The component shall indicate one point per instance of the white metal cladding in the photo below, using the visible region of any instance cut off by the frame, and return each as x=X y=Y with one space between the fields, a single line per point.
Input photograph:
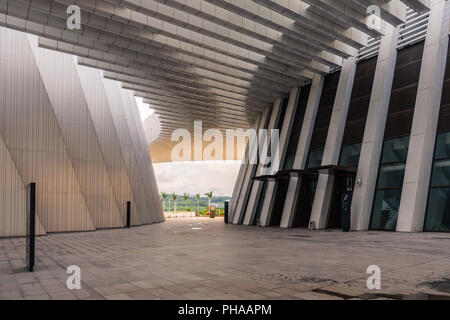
x=224 y=55
x=58 y=129
x=72 y=113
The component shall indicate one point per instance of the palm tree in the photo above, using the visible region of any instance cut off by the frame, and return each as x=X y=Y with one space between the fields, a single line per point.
x=210 y=196
x=164 y=196
x=174 y=198
x=197 y=196
x=185 y=197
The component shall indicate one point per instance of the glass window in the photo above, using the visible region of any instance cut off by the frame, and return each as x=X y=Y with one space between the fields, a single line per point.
x=395 y=150
x=350 y=155
x=438 y=213
x=441 y=173
x=315 y=159
x=385 y=211
x=391 y=176
x=289 y=162
x=438 y=210
x=261 y=202
x=443 y=146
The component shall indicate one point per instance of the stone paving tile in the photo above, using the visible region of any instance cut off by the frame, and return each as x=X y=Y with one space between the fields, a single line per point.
x=120 y=296
x=172 y=261
x=315 y=296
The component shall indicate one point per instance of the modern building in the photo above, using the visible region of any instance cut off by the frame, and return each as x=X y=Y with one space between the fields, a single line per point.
x=356 y=88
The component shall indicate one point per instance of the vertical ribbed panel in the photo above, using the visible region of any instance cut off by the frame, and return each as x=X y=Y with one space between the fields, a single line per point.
x=138 y=207
x=61 y=80
x=12 y=198
x=30 y=131
x=97 y=100
x=137 y=175
x=144 y=164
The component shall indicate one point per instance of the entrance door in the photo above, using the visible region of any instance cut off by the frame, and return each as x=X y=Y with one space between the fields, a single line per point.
x=305 y=202
x=343 y=191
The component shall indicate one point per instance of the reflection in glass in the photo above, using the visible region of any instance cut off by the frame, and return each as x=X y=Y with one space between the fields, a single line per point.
x=438 y=213
x=395 y=150
x=391 y=175
x=390 y=184
x=289 y=162
x=385 y=210
x=441 y=173
x=315 y=159
x=350 y=155
x=443 y=146
x=438 y=210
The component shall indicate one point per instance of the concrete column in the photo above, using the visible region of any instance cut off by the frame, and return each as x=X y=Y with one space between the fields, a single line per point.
x=426 y=114
x=248 y=188
x=374 y=131
x=286 y=130
x=243 y=169
x=324 y=191
x=301 y=154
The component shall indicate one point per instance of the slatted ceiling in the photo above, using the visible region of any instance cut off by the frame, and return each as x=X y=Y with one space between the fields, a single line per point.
x=230 y=53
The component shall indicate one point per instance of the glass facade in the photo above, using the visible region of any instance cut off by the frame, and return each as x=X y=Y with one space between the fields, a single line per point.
x=389 y=186
x=357 y=113
x=399 y=120
x=322 y=123
x=438 y=210
x=350 y=155
x=314 y=159
x=294 y=137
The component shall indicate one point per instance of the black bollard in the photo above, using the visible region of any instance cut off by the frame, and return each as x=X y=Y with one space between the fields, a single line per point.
x=31 y=226
x=226 y=212
x=128 y=214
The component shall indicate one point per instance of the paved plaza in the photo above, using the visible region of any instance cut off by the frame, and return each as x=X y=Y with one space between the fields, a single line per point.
x=200 y=258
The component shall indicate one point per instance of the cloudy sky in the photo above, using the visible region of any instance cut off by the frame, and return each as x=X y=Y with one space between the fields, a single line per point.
x=197 y=177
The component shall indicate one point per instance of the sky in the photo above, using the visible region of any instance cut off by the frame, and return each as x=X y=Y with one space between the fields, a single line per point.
x=197 y=177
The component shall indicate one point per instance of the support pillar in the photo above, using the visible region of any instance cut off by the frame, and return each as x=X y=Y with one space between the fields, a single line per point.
x=426 y=115
x=247 y=186
x=301 y=154
x=253 y=190
x=288 y=122
x=366 y=176
x=243 y=169
x=324 y=191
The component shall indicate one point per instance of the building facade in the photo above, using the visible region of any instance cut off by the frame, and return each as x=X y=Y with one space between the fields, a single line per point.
x=376 y=131
x=356 y=89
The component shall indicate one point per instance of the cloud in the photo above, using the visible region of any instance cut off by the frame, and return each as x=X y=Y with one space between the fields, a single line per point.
x=197 y=177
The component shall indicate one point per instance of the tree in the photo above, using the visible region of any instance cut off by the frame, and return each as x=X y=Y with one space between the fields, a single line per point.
x=174 y=198
x=197 y=196
x=164 y=196
x=185 y=197
x=210 y=196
